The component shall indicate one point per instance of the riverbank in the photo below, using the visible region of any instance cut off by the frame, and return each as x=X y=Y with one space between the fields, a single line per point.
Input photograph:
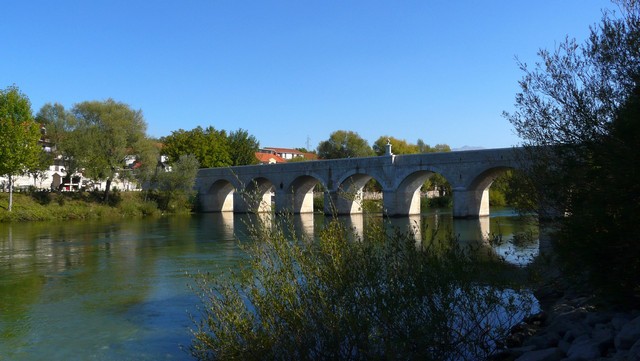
x=53 y=206
x=573 y=326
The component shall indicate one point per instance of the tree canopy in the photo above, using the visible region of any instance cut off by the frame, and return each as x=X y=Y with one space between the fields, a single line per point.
x=398 y=146
x=577 y=113
x=19 y=136
x=344 y=144
x=401 y=146
x=211 y=147
x=243 y=147
x=101 y=135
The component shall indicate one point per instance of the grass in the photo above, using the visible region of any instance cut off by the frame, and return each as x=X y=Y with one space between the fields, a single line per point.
x=52 y=206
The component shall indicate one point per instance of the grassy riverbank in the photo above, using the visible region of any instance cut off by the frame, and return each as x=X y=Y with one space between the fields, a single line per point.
x=53 y=206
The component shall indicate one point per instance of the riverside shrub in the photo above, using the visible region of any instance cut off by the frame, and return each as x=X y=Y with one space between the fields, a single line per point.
x=346 y=297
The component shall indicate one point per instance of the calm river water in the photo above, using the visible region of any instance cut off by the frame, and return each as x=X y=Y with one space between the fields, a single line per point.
x=120 y=290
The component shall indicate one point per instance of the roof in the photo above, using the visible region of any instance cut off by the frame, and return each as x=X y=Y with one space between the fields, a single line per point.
x=266 y=158
x=310 y=156
x=285 y=150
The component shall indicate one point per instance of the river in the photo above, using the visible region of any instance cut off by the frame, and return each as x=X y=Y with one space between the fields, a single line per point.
x=119 y=290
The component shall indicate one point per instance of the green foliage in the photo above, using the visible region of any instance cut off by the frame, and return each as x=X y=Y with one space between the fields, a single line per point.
x=437 y=202
x=398 y=146
x=318 y=202
x=501 y=190
x=243 y=148
x=345 y=298
x=426 y=148
x=344 y=144
x=440 y=148
x=59 y=125
x=19 y=136
x=513 y=189
x=401 y=146
x=581 y=101
x=147 y=158
x=209 y=146
x=98 y=136
x=176 y=187
x=48 y=206
x=497 y=198
x=372 y=206
x=601 y=236
x=437 y=182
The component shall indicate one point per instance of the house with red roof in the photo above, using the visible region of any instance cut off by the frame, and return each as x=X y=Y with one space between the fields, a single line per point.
x=266 y=156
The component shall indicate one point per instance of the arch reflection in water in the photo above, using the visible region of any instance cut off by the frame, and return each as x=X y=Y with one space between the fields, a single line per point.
x=472 y=230
x=355 y=222
x=225 y=223
x=304 y=225
x=505 y=235
x=410 y=223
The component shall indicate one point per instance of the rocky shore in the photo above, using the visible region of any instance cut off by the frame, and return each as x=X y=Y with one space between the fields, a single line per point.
x=573 y=327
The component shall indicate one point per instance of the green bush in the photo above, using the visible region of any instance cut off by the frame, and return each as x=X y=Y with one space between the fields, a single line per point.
x=599 y=239
x=436 y=202
x=78 y=205
x=341 y=297
x=372 y=206
x=497 y=198
x=318 y=203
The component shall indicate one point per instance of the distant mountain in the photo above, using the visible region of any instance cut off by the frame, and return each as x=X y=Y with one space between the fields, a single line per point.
x=467 y=147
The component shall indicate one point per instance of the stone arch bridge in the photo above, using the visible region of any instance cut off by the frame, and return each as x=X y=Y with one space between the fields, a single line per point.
x=289 y=187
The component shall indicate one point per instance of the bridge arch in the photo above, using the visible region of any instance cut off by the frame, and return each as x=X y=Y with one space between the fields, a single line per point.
x=347 y=197
x=219 y=196
x=297 y=196
x=473 y=198
x=255 y=197
x=405 y=198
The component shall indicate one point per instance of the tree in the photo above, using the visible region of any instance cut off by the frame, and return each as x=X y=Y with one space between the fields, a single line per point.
x=209 y=146
x=145 y=168
x=56 y=121
x=398 y=146
x=578 y=115
x=344 y=144
x=104 y=134
x=243 y=147
x=58 y=125
x=177 y=184
x=19 y=136
x=440 y=148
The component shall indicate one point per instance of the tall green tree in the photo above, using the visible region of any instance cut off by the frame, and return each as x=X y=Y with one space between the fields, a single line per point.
x=147 y=164
x=19 y=136
x=398 y=146
x=422 y=146
x=57 y=121
x=243 y=147
x=576 y=106
x=210 y=146
x=344 y=144
x=105 y=133
x=59 y=125
x=440 y=148
x=177 y=185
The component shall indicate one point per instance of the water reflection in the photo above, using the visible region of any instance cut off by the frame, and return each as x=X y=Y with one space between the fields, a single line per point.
x=504 y=234
x=304 y=224
x=119 y=290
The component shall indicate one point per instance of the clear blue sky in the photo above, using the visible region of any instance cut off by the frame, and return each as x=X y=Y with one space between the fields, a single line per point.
x=291 y=72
